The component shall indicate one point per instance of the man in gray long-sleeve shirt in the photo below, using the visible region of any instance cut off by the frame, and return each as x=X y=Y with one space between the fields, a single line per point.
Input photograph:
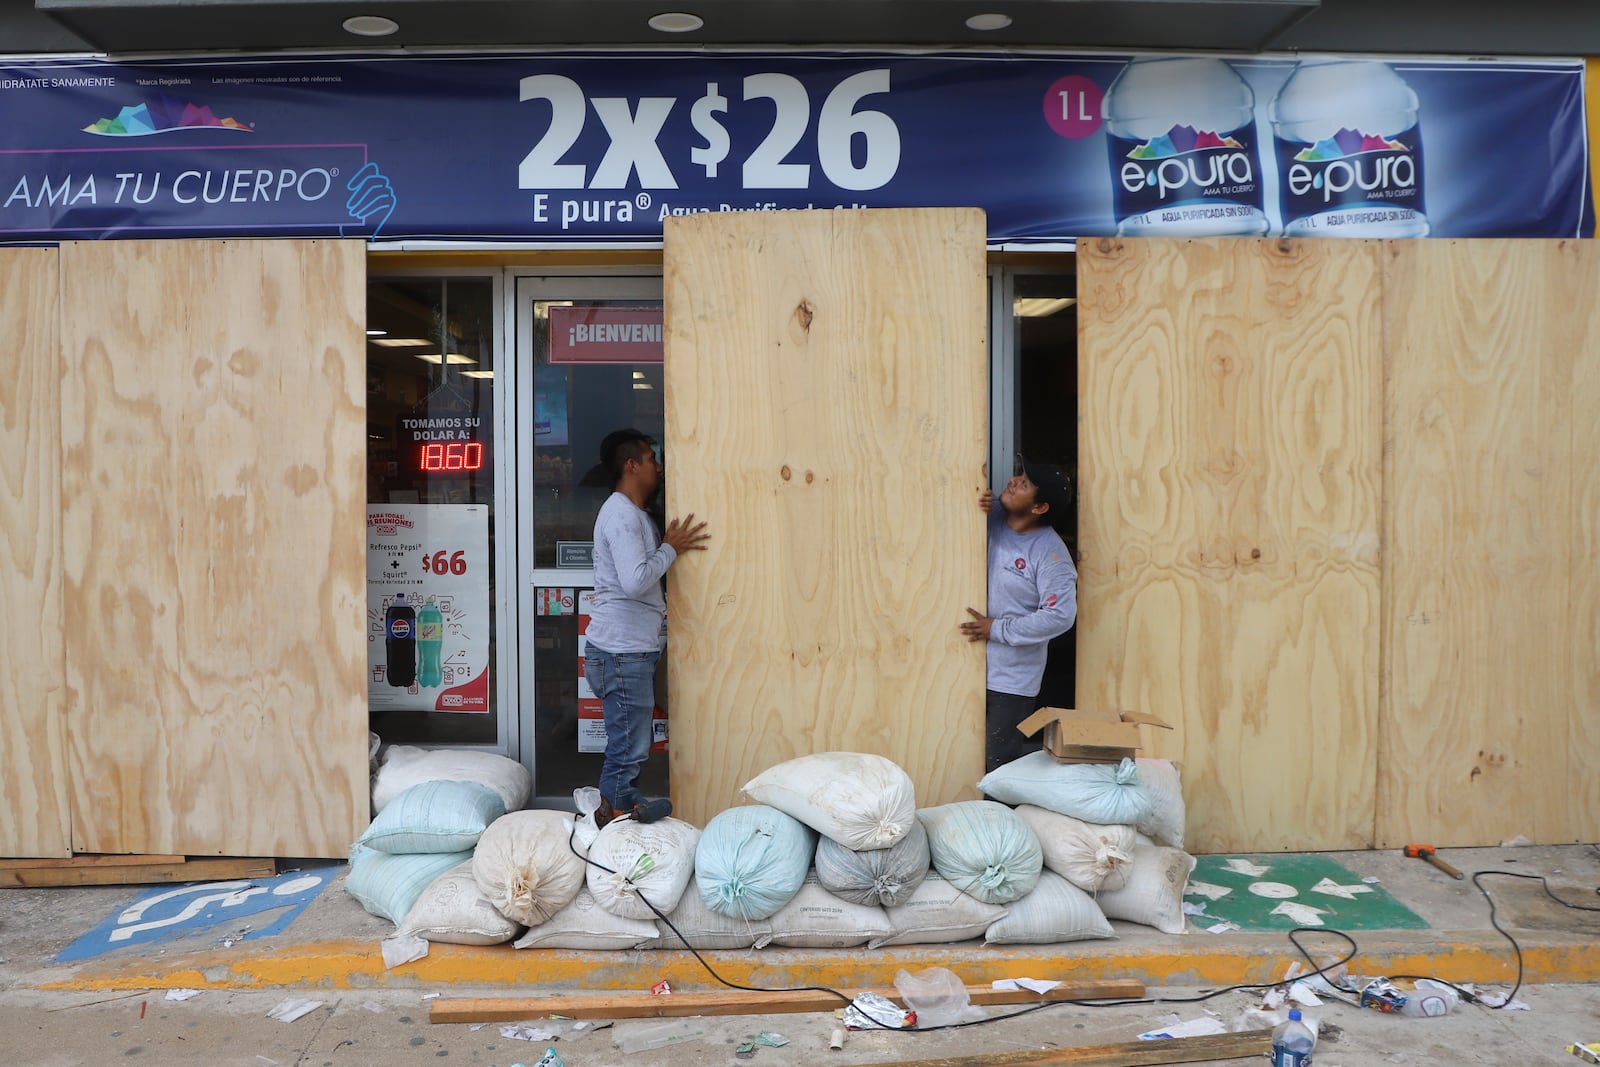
x=1033 y=597
x=624 y=638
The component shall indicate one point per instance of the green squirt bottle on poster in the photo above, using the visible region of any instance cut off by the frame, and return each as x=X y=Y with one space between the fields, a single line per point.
x=430 y=645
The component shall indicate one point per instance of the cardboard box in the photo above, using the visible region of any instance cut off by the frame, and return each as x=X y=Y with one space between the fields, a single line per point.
x=1076 y=735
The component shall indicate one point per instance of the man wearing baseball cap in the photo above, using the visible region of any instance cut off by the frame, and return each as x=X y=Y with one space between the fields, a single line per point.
x=1033 y=597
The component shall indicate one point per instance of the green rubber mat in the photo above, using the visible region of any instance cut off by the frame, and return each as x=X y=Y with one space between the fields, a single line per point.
x=1279 y=892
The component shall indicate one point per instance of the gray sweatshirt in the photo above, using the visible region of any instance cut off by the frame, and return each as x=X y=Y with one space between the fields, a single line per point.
x=629 y=562
x=1033 y=597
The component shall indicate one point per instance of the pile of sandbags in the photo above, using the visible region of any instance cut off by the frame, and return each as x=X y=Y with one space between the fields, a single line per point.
x=832 y=853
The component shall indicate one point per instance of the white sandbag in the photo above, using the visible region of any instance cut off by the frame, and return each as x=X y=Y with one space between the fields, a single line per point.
x=1090 y=856
x=446 y=816
x=525 y=865
x=1154 y=893
x=1094 y=792
x=388 y=885
x=751 y=861
x=703 y=928
x=631 y=860
x=861 y=800
x=935 y=913
x=886 y=876
x=454 y=911
x=1055 y=911
x=404 y=766
x=815 y=918
x=1168 y=815
x=584 y=924
x=983 y=848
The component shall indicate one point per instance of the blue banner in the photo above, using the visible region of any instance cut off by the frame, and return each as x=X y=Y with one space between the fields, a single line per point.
x=601 y=147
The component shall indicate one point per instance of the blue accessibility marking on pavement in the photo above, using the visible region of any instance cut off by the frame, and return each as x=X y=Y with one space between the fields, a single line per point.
x=173 y=913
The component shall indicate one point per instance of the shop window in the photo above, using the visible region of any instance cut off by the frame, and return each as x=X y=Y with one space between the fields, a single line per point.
x=431 y=624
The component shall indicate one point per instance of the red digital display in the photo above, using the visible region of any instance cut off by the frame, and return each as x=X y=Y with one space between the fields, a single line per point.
x=451 y=456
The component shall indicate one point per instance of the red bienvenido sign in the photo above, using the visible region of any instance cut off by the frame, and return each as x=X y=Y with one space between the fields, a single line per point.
x=589 y=333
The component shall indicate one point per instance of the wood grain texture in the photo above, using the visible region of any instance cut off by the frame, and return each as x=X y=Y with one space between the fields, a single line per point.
x=1490 y=729
x=1229 y=451
x=213 y=412
x=33 y=751
x=826 y=387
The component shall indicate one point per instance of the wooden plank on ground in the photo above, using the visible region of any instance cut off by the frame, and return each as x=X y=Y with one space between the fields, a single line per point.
x=734 y=1002
x=1204 y=1049
x=221 y=868
x=88 y=860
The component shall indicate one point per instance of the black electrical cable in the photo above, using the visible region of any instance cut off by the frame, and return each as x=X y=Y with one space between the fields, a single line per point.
x=1322 y=971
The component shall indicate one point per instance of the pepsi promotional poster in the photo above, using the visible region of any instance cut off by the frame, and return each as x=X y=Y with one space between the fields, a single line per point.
x=601 y=147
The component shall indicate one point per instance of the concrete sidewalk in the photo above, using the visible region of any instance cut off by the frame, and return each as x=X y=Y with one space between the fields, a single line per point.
x=334 y=944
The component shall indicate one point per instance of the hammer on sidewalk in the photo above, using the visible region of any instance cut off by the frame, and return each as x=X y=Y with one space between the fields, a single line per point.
x=1426 y=852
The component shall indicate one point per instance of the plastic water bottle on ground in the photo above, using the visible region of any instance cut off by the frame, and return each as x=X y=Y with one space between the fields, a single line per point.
x=1181 y=134
x=1349 y=149
x=1292 y=1042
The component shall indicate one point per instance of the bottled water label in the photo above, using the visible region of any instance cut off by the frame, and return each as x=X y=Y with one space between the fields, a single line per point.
x=1351 y=179
x=1288 y=1057
x=1185 y=160
x=1188 y=176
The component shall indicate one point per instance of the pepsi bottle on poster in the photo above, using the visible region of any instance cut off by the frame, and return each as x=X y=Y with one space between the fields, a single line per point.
x=400 y=643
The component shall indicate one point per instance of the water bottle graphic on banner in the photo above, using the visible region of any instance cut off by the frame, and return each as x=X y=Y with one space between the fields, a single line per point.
x=1181 y=134
x=400 y=643
x=1349 y=149
x=430 y=645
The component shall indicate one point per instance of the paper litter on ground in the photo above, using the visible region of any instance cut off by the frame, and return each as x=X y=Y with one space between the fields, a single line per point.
x=526 y=1033
x=402 y=948
x=1192 y=1028
x=1221 y=928
x=182 y=994
x=293 y=1008
x=1032 y=985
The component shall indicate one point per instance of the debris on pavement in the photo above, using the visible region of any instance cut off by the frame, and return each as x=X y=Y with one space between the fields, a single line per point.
x=402 y=949
x=182 y=994
x=1177 y=1028
x=527 y=1033
x=293 y=1008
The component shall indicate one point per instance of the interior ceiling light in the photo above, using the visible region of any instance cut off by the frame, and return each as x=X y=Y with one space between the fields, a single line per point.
x=377 y=333
x=994 y=21
x=676 y=22
x=401 y=342
x=477 y=374
x=453 y=358
x=370 y=25
x=1038 y=307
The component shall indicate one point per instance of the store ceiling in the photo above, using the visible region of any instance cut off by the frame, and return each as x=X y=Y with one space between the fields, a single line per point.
x=1463 y=27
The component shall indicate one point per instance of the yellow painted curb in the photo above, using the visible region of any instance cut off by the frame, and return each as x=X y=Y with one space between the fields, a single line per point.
x=1250 y=959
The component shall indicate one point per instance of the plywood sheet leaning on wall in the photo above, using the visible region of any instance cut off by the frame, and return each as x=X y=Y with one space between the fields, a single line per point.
x=213 y=405
x=1493 y=543
x=33 y=774
x=826 y=395
x=1229 y=456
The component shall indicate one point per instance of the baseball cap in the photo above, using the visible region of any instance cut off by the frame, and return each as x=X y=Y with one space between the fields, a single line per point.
x=1053 y=487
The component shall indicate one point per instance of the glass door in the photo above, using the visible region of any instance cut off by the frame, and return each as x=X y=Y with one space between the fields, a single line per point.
x=589 y=356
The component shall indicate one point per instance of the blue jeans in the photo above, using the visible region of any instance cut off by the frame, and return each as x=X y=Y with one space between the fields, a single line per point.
x=625 y=682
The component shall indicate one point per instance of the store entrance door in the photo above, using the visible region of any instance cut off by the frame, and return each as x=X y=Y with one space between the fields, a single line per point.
x=589 y=361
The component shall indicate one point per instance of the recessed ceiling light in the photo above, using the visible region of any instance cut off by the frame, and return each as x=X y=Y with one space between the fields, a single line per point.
x=377 y=333
x=676 y=22
x=370 y=25
x=989 y=22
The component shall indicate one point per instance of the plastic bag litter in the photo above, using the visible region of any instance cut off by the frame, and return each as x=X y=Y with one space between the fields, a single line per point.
x=938 y=996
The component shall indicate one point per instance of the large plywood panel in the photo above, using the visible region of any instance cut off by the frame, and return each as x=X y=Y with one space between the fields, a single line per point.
x=33 y=771
x=213 y=411
x=1494 y=662
x=1229 y=456
x=826 y=395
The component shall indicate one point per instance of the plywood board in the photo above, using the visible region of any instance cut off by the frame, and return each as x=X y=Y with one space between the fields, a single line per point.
x=1229 y=457
x=213 y=414
x=826 y=385
x=1493 y=600
x=33 y=766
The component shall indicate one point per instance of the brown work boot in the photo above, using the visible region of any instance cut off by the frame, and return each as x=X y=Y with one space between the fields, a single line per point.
x=604 y=813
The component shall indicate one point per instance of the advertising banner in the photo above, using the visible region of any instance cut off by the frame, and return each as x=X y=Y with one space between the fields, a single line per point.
x=601 y=333
x=602 y=147
x=428 y=607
